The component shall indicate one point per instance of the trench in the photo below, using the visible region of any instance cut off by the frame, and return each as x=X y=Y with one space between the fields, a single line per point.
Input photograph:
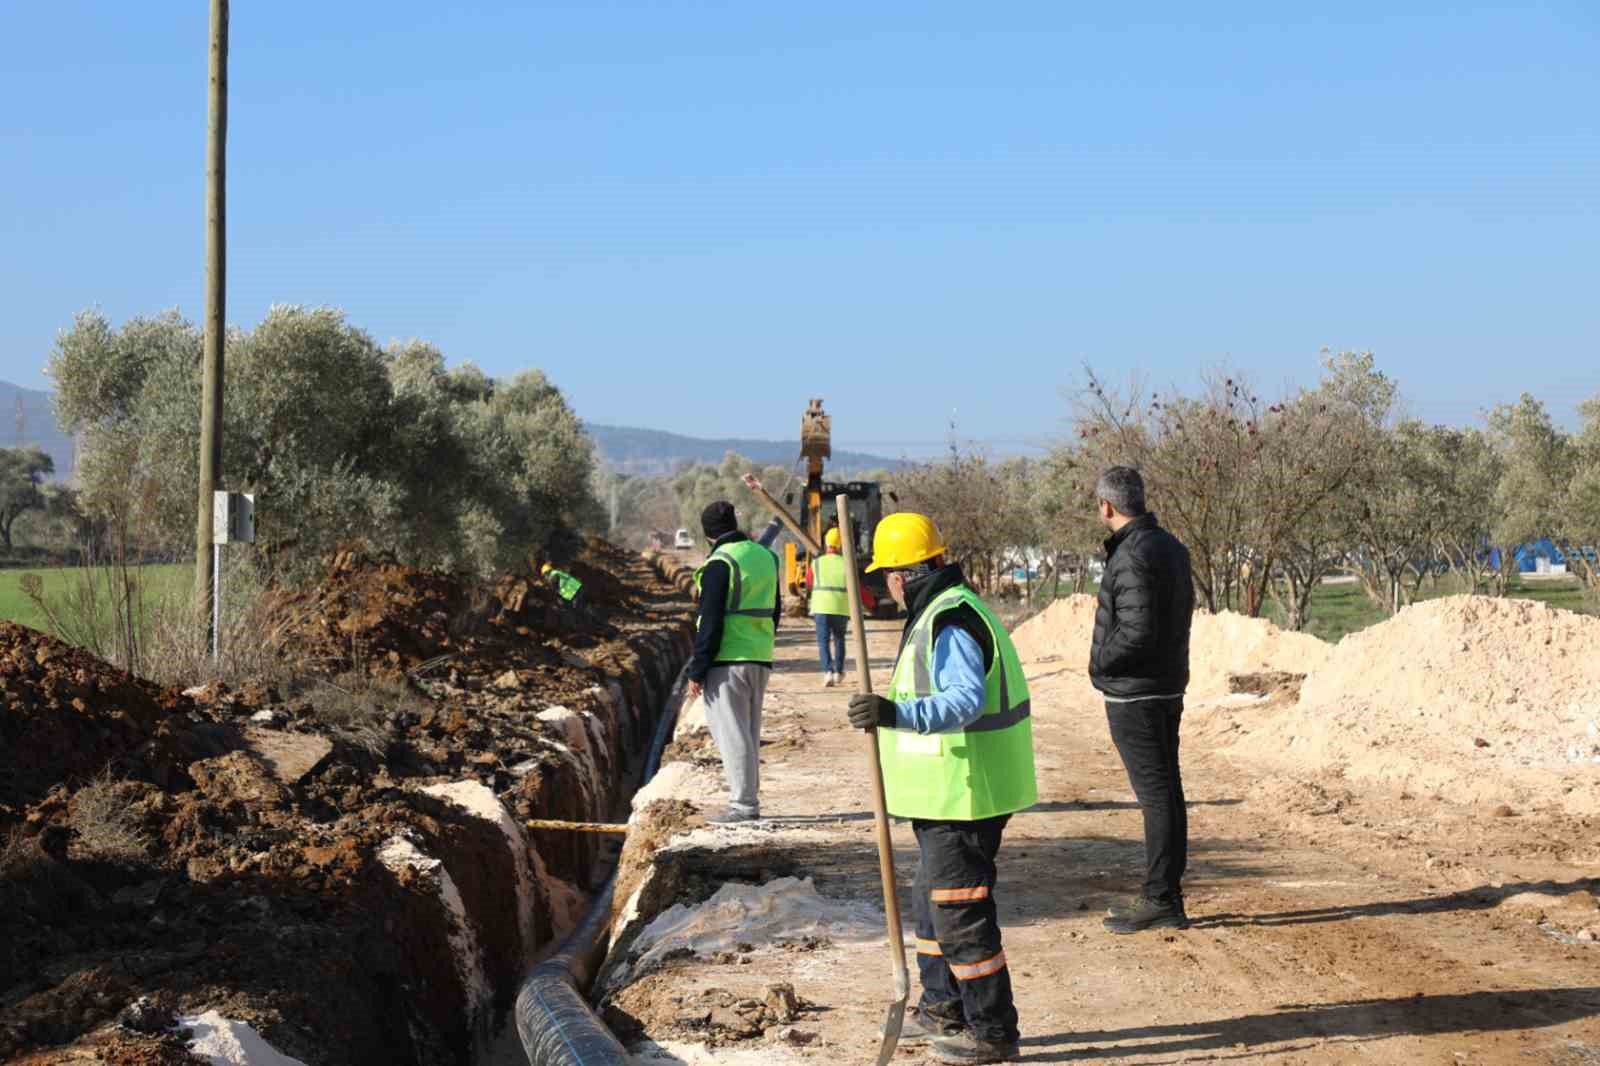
x=541 y=1017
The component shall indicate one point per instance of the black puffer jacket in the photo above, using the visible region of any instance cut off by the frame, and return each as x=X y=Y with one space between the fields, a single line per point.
x=1141 y=627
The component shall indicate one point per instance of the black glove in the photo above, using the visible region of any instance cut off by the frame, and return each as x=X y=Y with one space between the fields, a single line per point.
x=870 y=712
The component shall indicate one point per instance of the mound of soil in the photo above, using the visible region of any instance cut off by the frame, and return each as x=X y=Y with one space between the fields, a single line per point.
x=68 y=716
x=292 y=874
x=1470 y=698
x=394 y=615
x=1220 y=645
x=1489 y=663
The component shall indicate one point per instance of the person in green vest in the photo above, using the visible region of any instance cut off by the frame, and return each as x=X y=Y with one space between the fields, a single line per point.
x=735 y=626
x=567 y=587
x=830 y=608
x=956 y=747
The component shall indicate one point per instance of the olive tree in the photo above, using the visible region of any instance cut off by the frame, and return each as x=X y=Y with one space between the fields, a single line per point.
x=341 y=438
x=22 y=472
x=701 y=484
x=1583 y=498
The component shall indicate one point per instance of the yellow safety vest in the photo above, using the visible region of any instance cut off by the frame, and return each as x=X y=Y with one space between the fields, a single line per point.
x=828 y=592
x=982 y=771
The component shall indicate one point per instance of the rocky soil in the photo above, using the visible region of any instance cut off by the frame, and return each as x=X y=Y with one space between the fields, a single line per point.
x=333 y=856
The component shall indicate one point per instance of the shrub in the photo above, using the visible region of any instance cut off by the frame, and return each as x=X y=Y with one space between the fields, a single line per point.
x=356 y=705
x=105 y=822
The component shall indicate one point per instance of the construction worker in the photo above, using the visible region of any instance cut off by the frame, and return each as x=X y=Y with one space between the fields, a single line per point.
x=1139 y=660
x=735 y=630
x=956 y=746
x=830 y=608
x=569 y=588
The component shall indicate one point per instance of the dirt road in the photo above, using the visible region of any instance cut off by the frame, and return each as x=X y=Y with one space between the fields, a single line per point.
x=1328 y=926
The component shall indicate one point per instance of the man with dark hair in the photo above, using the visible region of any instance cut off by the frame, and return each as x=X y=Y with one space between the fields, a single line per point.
x=1140 y=663
x=735 y=631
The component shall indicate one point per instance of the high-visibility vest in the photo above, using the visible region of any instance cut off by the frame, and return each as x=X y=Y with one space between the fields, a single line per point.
x=567 y=586
x=828 y=592
x=748 y=628
x=981 y=771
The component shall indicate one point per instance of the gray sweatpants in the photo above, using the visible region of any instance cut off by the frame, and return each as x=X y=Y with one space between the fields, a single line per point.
x=733 y=713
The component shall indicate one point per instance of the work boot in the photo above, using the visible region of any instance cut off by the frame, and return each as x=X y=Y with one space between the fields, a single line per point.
x=734 y=818
x=1150 y=914
x=921 y=1028
x=966 y=1047
x=1126 y=905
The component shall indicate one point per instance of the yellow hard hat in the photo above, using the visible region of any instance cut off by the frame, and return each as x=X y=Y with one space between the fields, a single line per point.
x=905 y=539
x=831 y=538
x=546 y=568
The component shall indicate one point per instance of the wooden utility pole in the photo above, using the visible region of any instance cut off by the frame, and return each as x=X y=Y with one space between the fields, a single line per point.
x=215 y=322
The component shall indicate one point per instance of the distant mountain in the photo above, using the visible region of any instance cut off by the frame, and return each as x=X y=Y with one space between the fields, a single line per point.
x=652 y=452
x=28 y=418
x=628 y=449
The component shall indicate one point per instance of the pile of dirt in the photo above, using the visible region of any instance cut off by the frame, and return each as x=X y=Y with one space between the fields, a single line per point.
x=314 y=859
x=393 y=616
x=68 y=716
x=1470 y=698
x=1220 y=645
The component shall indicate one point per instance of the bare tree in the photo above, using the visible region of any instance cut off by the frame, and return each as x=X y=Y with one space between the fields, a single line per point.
x=968 y=497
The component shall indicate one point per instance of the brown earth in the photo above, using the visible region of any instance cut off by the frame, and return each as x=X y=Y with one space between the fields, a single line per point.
x=69 y=715
x=265 y=881
x=1333 y=922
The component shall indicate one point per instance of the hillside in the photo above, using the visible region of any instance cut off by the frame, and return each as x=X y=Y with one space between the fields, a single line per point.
x=627 y=448
x=654 y=452
x=37 y=426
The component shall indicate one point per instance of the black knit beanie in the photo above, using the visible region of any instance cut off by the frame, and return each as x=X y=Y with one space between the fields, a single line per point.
x=718 y=520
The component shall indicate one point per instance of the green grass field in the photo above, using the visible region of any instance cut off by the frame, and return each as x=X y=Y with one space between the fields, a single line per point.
x=15 y=606
x=1344 y=608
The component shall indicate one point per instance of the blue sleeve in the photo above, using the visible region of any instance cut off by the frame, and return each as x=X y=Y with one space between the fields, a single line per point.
x=958 y=685
x=770 y=534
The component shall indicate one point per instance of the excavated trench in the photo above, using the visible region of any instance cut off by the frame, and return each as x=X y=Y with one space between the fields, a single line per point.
x=527 y=890
x=332 y=907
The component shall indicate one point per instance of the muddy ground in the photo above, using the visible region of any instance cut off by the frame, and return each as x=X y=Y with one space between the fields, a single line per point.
x=280 y=853
x=1330 y=924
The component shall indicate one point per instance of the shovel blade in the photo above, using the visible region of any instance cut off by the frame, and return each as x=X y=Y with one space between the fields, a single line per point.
x=891 y=1030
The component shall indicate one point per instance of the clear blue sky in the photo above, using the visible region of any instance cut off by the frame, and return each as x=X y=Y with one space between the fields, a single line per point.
x=694 y=216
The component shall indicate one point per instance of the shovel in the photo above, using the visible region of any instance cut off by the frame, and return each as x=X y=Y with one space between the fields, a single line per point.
x=752 y=483
x=880 y=809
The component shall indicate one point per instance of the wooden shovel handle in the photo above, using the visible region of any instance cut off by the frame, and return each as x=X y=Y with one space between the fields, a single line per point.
x=880 y=807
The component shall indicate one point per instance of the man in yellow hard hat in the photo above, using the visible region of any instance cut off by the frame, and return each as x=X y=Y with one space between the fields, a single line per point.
x=567 y=587
x=830 y=608
x=956 y=747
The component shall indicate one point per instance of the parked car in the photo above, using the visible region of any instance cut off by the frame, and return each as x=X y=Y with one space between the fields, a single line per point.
x=683 y=541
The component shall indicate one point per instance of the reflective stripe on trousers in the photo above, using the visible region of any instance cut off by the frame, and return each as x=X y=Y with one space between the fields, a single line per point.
x=960 y=957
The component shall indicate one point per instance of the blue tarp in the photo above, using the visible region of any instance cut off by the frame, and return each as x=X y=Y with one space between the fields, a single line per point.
x=1527 y=556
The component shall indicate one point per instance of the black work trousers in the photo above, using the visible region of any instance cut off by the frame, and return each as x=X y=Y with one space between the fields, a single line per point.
x=1146 y=735
x=959 y=957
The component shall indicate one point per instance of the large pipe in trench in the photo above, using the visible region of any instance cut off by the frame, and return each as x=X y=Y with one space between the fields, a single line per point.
x=554 y=1020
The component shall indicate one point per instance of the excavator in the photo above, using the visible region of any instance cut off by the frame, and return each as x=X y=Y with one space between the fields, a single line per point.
x=817 y=514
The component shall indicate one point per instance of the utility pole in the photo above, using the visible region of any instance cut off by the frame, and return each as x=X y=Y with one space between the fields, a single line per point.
x=215 y=322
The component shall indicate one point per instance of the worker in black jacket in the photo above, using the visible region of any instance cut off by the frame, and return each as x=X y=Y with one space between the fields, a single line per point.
x=1140 y=663
x=735 y=628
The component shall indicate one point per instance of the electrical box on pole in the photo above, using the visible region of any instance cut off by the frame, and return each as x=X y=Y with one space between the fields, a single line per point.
x=233 y=521
x=233 y=517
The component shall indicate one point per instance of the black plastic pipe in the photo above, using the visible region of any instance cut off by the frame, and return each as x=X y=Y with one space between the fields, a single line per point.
x=554 y=1020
